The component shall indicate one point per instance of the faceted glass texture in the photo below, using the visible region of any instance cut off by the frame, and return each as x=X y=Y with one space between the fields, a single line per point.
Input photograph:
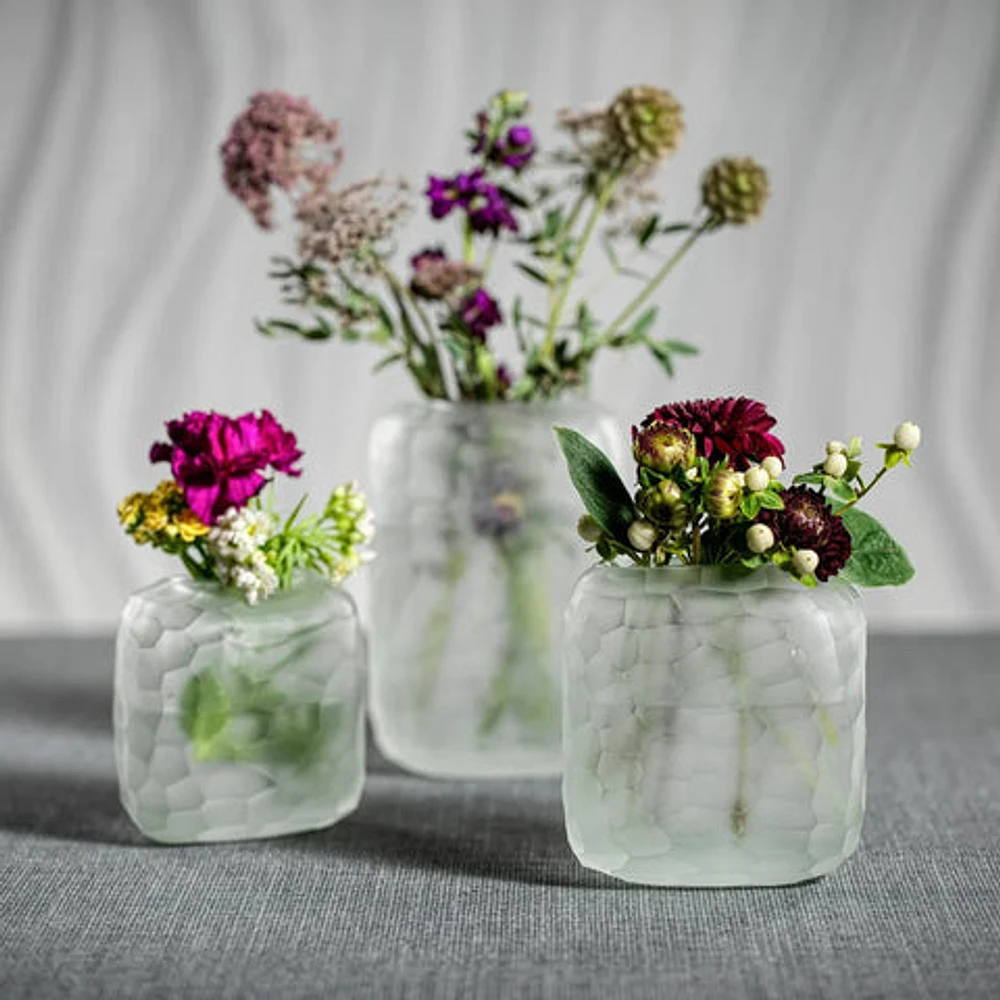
x=477 y=556
x=714 y=725
x=235 y=722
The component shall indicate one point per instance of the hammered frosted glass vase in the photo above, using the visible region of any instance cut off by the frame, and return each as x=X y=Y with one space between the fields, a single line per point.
x=714 y=725
x=235 y=722
x=477 y=557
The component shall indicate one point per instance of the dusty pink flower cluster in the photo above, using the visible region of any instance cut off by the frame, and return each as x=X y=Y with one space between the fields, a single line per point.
x=337 y=224
x=279 y=141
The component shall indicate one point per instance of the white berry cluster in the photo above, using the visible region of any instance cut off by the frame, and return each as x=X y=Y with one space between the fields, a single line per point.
x=235 y=543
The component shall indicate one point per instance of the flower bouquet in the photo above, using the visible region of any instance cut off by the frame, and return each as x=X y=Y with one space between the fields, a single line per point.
x=472 y=509
x=239 y=703
x=715 y=685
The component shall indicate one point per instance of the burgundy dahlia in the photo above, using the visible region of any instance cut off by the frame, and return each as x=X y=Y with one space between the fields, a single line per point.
x=735 y=428
x=807 y=522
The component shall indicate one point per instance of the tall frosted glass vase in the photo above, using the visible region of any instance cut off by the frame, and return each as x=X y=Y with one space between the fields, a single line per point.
x=714 y=725
x=477 y=557
x=235 y=722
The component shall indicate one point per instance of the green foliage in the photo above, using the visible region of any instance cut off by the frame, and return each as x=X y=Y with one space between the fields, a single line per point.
x=234 y=716
x=604 y=495
x=877 y=559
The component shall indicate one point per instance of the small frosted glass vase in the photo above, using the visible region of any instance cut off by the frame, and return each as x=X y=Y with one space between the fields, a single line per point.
x=235 y=722
x=714 y=725
x=477 y=557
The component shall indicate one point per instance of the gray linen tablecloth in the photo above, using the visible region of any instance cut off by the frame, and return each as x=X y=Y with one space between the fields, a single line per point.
x=466 y=889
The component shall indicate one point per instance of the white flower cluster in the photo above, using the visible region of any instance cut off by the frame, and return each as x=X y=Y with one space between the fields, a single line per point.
x=235 y=543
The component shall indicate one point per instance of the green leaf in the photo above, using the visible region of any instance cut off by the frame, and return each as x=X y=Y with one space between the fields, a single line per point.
x=531 y=272
x=642 y=325
x=750 y=505
x=877 y=559
x=675 y=227
x=204 y=711
x=389 y=359
x=662 y=356
x=810 y=478
x=841 y=489
x=601 y=489
x=680 y=347
x=648 y=230
x=771 y=501
x=514 y=197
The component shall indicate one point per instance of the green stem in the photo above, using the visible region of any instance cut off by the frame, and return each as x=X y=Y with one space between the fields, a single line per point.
x=657 y=278
x=588 y=230
x=468 y=250
x=864 y=490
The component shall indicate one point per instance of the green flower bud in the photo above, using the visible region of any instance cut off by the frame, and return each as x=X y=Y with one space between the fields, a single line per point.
x=588 y=529
x=645 y=124
x=664 y=504
x=735 y=190
x=724 y=494
x=663 y=447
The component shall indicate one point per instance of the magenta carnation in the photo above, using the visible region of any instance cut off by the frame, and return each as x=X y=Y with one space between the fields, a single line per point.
x=807 y=522
x=273 y=143
x=218 y=461
x=728 y=427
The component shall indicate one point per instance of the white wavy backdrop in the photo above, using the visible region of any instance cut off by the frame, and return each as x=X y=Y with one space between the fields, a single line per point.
x=869 y=293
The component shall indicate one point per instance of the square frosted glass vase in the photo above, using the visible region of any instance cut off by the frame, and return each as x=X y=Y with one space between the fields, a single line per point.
x=477 y=557
x=235 y=722
x=714 y=725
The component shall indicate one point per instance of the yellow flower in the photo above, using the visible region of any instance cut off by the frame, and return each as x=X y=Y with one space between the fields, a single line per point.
x=188 y=526
x=130 y=508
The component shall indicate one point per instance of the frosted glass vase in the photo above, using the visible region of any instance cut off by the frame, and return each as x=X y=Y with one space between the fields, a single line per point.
x=235 y=722
x=477 y=557
x=714 y=725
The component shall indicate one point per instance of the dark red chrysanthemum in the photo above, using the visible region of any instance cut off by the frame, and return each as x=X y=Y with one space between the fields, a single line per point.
x=737 y=428
x=807 y=522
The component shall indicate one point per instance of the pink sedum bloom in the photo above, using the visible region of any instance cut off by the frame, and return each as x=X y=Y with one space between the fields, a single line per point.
x=218 y=461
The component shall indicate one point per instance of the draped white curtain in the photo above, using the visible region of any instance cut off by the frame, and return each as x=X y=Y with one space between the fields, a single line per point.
x=869 y=293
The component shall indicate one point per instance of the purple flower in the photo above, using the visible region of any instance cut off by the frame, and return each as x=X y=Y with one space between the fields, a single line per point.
x=217 y=460
x=479 y=311
x=504 y=376
x=516 y=149
x=485 y=205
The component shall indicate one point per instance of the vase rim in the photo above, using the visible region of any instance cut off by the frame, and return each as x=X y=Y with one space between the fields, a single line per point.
x=710 y=574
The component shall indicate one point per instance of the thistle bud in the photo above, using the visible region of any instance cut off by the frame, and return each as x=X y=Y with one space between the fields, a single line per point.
x=773 y=465
x=664 y=504
x=804 y=562
x=663 y=447
x=757 y=478
x=835 y=464
x=642 y=535
x=588 y=529
x=735 y=190
x=724 y=494
x=645 y=124
x=906 y=436
x=759 y=538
